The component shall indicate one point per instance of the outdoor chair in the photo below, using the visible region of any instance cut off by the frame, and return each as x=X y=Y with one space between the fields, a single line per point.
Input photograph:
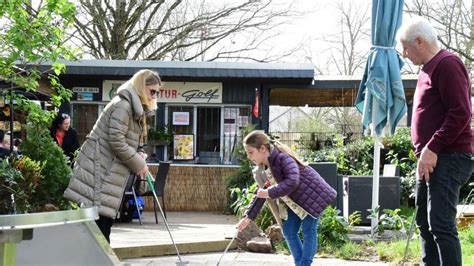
x=131 y=192
x=159 y=185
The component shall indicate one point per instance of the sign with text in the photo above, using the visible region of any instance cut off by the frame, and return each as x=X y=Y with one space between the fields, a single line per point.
x=174 y=92
x=85 y=89
x=181 y=118
x=109 y=88
x=190 y=92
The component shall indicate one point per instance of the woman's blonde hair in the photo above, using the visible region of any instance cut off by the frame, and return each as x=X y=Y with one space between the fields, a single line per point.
x=257 y=138
x=140 y=80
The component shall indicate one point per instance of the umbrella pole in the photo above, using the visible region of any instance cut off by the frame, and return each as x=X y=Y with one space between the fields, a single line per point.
x=375 y=183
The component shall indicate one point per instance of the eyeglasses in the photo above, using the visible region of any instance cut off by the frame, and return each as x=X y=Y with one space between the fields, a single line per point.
x=64 y=115
x=153 y=92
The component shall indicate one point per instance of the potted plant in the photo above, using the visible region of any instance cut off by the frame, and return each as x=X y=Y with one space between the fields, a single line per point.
x=159 y=136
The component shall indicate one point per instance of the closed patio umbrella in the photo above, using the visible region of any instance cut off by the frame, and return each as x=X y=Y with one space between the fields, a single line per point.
x=381 y=98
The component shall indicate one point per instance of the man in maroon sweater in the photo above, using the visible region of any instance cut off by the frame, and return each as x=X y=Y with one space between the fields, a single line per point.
x=442 y=135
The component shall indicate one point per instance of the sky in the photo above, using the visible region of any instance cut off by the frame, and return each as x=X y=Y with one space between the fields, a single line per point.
x=320 y=20
x=316 y=20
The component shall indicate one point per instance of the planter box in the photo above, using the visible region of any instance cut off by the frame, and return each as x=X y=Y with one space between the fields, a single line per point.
x=157 y=143
x=358 y=195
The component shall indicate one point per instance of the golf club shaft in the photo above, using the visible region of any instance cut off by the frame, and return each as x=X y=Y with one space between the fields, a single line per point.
x=410 y=234
x=227 y=248
x=148 y=178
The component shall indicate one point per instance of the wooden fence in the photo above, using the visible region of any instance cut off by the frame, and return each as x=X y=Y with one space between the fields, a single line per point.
x=194 y=188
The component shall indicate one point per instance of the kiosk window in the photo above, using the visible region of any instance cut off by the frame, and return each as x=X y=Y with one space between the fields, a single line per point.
x=234 y=119
x=208 y=134
x=181 y=128
x=85 y=116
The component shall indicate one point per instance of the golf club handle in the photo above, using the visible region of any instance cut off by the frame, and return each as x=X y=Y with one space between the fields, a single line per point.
x=150 y=182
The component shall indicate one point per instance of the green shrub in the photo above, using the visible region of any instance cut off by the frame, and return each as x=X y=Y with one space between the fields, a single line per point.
x=11 y=182
x=356 y=158
x=333 y=228
x=400 y=151
x=55 y=172
x=160 y=134
x=18 y=183
x=243 y=197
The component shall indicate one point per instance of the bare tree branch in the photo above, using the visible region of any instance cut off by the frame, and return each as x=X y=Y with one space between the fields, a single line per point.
x=190 y=30
x=453 y=22
x=344 y=51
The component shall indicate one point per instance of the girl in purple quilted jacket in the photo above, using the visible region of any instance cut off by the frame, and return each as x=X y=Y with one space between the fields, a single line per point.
x=301 y=192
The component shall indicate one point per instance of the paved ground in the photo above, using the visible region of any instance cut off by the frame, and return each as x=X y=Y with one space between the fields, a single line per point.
x=192 y=231
x=239 y=258
x=186 y=227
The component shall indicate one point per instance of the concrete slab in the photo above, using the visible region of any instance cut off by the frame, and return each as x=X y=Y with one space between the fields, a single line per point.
x=186 y=227
x=195 y=233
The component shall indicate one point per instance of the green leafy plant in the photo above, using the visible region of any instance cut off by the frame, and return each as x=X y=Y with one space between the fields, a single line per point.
x=40 y=147
x=160 y=134
x=356 y=158
x=333 y=228
x=389 y=220
x=31 y=172
x=355 y=218
x=244 y=196
x=19 y=179
x=32 y=34
x=11 y=192
x=393 y=220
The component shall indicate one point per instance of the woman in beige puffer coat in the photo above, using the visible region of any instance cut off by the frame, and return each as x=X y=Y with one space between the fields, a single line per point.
x=111 y=150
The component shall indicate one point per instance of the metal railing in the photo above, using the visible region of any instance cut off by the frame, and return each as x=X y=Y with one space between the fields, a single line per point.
x=307 y=142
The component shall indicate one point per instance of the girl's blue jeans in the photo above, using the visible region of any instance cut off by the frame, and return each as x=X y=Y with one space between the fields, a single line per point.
x=302 y=251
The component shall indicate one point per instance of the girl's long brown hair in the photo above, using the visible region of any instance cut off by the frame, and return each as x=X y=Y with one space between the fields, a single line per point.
x=257 y=138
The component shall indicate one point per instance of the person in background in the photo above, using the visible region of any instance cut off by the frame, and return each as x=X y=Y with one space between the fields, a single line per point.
x=152 y=159
x=4 y=144
x=303 y=192
x=442 y=135
x=64 y=135
x=16 y=146
x=113 y=149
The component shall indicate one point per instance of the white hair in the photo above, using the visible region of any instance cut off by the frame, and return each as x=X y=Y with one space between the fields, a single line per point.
x=418 y=27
